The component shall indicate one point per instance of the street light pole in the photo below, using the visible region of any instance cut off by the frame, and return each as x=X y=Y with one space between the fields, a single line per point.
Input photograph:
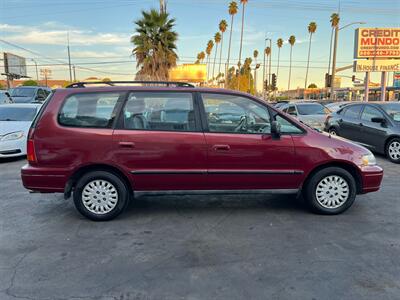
x=335 y=52
x=37 y=73
x=264 y=66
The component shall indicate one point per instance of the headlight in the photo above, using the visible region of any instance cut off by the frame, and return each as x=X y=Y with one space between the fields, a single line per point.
x=368 y=160
x=13 y=136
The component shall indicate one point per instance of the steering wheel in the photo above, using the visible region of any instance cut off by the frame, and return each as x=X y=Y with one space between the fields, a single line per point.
x=242 y=126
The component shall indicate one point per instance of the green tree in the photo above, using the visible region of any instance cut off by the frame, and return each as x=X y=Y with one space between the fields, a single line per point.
x=241 y=79
x=223 y=25
x=210 y=46
x=279 y=43
x=334 y=22
x=232 y=9
x=312 y=28
x=30 y=83
x=292 y=41
x=155 y=45
x=243 y=2
x=217 y=40
x=312 y=86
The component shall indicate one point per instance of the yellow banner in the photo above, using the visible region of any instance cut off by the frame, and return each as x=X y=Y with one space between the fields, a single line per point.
x=377 y=65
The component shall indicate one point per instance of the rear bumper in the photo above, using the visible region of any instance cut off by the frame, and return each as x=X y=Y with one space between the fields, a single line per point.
x=45 y=180
x=371 y=178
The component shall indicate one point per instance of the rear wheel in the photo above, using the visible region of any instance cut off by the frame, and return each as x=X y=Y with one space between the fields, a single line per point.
x=330 y=191
x=393 y=150
x=100 y=195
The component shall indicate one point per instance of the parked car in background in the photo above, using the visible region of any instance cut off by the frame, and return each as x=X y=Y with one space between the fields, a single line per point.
x=15 y=120
x=183 y=140
x=5 y=97
x=335 y=106
x=280 y=103
x=374 y=125
x=29 y=94
x=311 y=113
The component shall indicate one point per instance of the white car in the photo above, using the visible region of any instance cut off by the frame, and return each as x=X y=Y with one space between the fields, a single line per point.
x=15 y=121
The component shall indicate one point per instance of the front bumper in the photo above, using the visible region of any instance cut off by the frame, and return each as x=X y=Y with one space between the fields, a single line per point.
x=371 y=178
x=13 y=148
x=44 y=180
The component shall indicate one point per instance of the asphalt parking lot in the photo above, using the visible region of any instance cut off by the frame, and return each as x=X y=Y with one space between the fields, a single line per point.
x=225 y=247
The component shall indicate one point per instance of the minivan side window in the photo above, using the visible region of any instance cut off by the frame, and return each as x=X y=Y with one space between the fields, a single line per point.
x=352 y=111
x=371 y=112
x=166 y=111
x=93 y=110
x=292 y=110
x=234 y=114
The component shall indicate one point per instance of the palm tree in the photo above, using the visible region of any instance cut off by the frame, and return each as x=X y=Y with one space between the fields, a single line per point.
x=202 y=56
x=223 y=25
x=243 y=2
x=217 y=40
x=334 y=22
x=279 y=43
x=209 y=48
x=154 y=45
x=292 y=41
x=233 y=9
x=312 y=28
x=255 y=55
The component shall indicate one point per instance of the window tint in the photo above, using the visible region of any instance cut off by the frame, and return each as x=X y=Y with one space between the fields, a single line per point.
x=230 y=113
x=159 y=111
x=287 y=127
x=311 y=109
x=89 y=110
x=352 y=111
x=292 y=110
x=371 y=112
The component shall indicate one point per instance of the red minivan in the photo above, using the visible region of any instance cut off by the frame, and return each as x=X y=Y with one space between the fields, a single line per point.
x=109 y=143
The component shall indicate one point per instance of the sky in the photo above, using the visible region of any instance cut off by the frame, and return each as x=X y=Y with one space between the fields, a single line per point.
x=99 y=33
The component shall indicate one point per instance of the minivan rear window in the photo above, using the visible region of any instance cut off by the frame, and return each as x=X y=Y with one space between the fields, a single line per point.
x=94 y=110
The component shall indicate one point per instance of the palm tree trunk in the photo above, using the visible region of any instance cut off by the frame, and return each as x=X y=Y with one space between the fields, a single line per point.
x=229 y=48
x=208 y=67
x=220 y=54
x=330 y=52
x=277 y=68
x=215 y=58
x=241 y=35
x=290 y=68
x=308 y=60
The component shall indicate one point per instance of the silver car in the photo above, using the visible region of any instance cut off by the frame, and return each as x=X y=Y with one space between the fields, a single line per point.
x=311 y=113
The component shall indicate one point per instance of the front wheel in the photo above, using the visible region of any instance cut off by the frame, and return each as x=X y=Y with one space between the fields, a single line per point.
x=330 y=191
x=333 y=131
x=100 y=195
x=393 y=150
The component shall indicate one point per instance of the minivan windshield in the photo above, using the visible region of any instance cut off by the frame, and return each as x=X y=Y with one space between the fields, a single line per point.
x=22 y=92
x=311 y=109
x=17 y=113
x=393 y=110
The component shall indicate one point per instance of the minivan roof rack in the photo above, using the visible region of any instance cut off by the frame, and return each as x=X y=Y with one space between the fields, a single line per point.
x=83 y=84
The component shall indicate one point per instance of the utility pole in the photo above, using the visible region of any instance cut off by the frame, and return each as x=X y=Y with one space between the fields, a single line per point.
x=264 y=70
x=69 y=59
x=37 y=73
x=270 y=60
x=334 y=60
x=46 y=73
x=366 y=86
x=383 y=86
x=74 y=72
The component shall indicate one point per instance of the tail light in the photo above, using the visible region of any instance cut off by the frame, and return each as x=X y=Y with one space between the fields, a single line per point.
x=30 y=147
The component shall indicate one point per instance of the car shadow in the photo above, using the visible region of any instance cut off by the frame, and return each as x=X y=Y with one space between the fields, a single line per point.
x=154 y=204
x=11 y=159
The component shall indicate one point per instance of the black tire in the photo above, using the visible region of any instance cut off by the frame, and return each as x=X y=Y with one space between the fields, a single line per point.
x=310 y=191
x=113 y=185
x=393 y=157
x=333 y=131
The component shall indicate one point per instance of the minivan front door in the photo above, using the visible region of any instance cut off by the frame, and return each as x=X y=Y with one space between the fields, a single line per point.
x=160 y=143
x=241 y=151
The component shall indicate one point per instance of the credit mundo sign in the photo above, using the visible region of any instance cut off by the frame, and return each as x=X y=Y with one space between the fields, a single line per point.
x=377 y=43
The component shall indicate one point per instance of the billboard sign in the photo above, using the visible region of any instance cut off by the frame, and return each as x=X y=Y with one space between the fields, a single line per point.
x=377 y=65
x=377 y=43
x=189 y=73
x=14 y=65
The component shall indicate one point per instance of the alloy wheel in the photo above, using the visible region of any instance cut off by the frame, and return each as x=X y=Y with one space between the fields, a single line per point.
x=394 y=150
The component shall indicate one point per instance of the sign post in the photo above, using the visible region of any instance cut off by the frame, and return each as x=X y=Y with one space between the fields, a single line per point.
x=366 y=86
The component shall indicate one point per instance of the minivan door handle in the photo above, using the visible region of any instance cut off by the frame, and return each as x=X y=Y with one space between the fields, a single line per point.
x=126 y=144
x=221 y=148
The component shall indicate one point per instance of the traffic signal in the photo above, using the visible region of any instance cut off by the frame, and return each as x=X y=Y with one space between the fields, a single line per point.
x=265 y=85
x=328 y=80
x=273 y=81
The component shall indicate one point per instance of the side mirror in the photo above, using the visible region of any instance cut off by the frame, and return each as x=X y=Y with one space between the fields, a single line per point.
x=378 y=120
x=275 y=130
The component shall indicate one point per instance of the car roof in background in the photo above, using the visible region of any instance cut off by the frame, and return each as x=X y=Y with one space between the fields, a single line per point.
x=22 y=105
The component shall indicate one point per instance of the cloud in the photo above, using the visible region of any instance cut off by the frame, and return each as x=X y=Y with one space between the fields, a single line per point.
x=52 y=33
